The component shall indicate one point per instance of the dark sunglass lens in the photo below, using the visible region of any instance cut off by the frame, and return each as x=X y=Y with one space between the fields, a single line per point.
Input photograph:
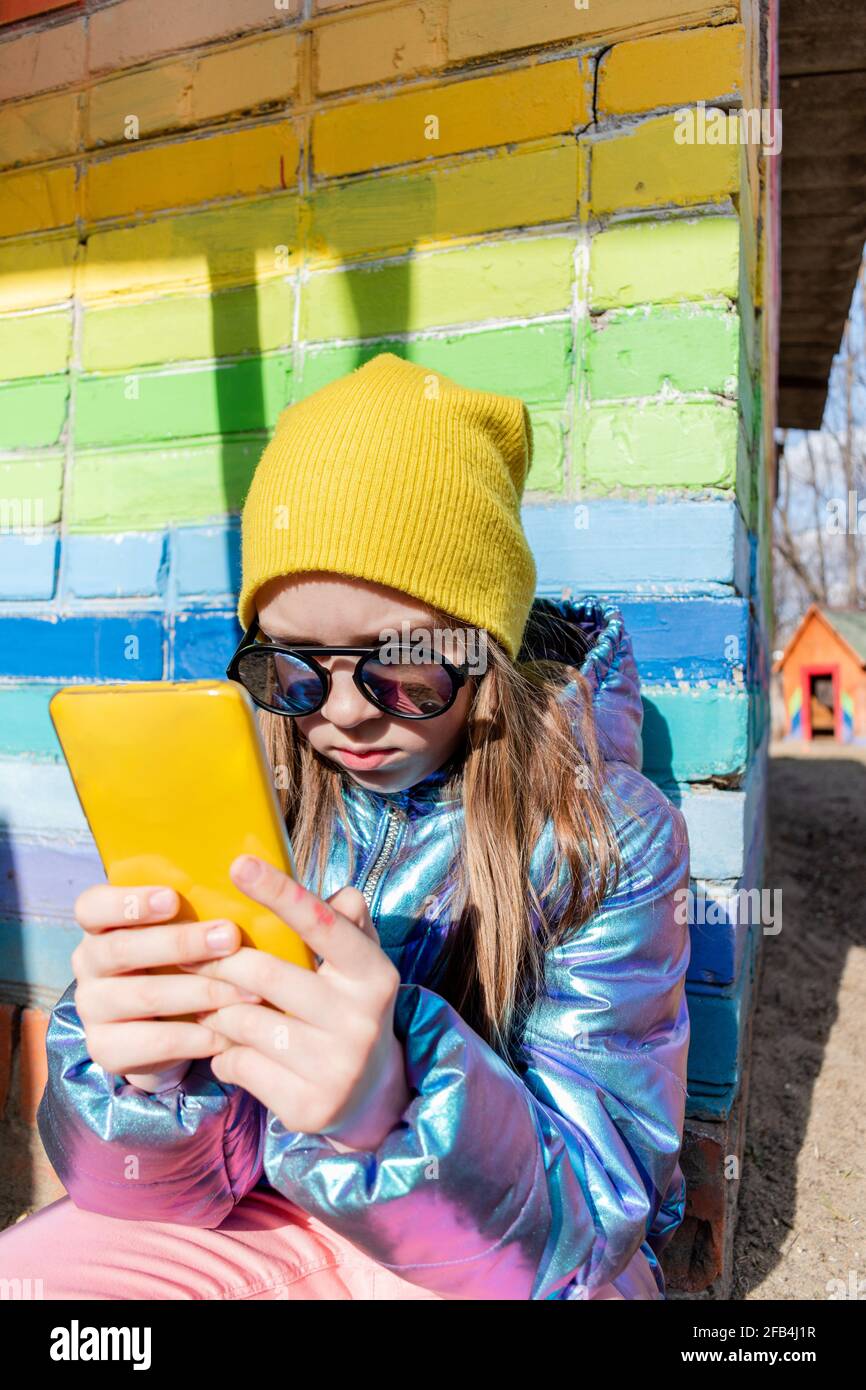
x=283 y=683
x=411 y=690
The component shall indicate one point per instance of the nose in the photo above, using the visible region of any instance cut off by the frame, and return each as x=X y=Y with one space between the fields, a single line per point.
x=345 y=706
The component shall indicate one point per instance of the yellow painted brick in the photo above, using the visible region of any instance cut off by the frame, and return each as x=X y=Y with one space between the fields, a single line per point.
x=243 y=76
x=46 y=128
x=362 y=49
x=478 y=27
x=37 y=200
x=236 y=245
x=36 y=273
x=535 y=101
x=259 y=160
x=324 y=6
x=672 y=70
x=375 y=216
x=130 y=32
x=647 y=168
x=158 y=97
x=36 y=62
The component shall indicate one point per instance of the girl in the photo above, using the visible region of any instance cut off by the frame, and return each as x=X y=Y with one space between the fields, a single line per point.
x=479 y=1092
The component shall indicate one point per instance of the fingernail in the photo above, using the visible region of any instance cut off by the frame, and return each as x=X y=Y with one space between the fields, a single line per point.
x=248 y=869
x=249 y=998
x=163 y=901
x=219 y=938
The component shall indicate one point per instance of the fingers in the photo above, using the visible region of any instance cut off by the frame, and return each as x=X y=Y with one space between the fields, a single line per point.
x=307 y=1051
x=131 y=950
x=277 y=1089
x=144 y=1047
x=351 y=903
x=111 y=1000
x=290 y=988
x=326 y=931
x=102 y=906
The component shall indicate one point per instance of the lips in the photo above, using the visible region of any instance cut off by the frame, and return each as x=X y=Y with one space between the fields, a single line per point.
x=367 y=758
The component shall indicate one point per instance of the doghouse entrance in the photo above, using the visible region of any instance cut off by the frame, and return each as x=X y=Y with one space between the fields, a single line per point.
x=821 y=699
x=823 y=709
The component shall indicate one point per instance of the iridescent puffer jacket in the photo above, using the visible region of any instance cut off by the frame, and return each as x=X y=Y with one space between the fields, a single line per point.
x=556 y=1180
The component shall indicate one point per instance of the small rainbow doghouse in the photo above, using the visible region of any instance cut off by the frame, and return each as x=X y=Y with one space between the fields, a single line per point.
x=823 y=673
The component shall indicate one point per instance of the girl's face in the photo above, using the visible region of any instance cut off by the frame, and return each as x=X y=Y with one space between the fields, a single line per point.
x=333 y=610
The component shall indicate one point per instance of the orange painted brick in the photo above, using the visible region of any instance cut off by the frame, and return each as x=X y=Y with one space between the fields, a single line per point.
x=32 y=1063
x=132 y=33
x=362 y=49
x=179 y=94
x=243 y=76
x=477 y=27
x=37 y=62
x=47 y=128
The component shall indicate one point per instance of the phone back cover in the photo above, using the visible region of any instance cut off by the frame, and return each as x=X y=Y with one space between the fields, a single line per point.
x=174 y=782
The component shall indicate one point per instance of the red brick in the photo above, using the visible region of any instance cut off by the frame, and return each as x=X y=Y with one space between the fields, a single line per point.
x=7 y=1020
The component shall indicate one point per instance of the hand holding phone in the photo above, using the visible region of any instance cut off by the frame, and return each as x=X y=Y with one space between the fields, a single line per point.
x=130 y=1016
x=174 y=782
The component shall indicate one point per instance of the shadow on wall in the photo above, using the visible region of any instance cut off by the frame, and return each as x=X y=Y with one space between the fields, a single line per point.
x=235 y=317
x=658 y=751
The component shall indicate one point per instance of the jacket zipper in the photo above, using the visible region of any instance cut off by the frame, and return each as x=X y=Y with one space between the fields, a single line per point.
x=395 y=817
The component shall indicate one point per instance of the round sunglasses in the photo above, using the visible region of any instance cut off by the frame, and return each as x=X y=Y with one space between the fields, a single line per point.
x=288 y=680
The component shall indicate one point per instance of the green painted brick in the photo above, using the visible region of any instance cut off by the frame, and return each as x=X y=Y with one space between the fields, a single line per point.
x=529 y=361
x=226 y=398
x=664 y=262
x=696 y=732
x=546 y=470
x=33 y=412
x=147 y=489
x=34 y=344
x=505 y=279
x=39 y=480
x=636 y=352
x=257 y=319
x=25 y=724
x=687 y=444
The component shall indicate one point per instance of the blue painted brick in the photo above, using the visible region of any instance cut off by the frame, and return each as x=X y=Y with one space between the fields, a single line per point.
x=116 y=566
x=206 y=559
x=128 y=647
x=637 y=546
x=28 y=566
x=204 y=644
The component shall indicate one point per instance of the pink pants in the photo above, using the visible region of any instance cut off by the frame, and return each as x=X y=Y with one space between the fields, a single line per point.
x=266 y=1248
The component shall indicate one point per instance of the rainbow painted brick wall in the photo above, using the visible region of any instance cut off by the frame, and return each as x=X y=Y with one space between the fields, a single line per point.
x=210 y=209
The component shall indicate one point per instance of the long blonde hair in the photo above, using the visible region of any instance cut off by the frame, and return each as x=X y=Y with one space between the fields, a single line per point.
x=529 y=757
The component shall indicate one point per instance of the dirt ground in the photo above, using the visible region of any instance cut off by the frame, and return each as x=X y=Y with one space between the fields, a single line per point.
x=802 y=1200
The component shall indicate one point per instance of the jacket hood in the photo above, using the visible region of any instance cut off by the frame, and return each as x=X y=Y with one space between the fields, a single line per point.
x=588 y=633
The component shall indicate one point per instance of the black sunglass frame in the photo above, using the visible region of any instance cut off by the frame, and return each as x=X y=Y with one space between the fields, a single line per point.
x=458 y=674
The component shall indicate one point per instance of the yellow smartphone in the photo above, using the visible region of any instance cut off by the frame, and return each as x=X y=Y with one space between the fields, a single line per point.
x=174 y=781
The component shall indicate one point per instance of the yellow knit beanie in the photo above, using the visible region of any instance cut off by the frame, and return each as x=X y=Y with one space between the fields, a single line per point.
x=396 y=474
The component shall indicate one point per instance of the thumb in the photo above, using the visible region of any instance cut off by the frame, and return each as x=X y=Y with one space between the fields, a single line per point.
x=352 y=904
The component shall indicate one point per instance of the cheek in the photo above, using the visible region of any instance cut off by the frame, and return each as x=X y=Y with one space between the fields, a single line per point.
x=447 y=729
